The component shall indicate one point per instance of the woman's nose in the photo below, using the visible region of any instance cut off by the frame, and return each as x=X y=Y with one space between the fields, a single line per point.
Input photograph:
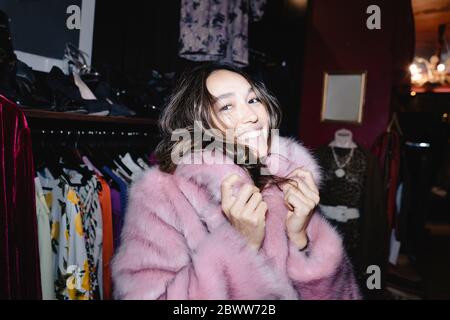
x=247 y=114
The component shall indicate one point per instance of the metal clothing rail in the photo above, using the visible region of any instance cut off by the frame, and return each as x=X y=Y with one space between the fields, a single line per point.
x=87 y=132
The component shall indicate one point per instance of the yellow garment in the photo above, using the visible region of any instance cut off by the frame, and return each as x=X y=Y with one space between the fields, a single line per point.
x=68 y=245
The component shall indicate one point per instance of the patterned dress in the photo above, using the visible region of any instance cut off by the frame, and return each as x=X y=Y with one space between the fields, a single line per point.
x=217 y=30
x=71 y=266
x=93 y=232
x=76 y=236
x=345 y=191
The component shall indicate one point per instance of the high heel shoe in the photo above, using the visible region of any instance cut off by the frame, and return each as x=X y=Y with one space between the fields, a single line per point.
x=76 y=60
x=73 y=95
x=103 y=92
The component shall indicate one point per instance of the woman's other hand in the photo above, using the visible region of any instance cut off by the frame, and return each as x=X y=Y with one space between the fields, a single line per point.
x=246 y=211
x=301 y=200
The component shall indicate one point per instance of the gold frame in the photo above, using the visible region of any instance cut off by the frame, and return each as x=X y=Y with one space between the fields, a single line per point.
x=362 y=95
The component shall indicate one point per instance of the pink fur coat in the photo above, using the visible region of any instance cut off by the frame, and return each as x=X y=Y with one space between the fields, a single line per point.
x=177 y=244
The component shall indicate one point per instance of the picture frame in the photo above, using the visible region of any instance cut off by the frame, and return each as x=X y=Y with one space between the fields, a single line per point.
x=343 y=96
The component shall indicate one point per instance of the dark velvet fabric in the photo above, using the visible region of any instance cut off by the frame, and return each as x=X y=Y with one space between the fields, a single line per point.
x=19 y=251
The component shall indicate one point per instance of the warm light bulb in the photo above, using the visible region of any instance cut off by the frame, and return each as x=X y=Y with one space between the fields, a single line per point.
x=413 y=93
x=441 y=67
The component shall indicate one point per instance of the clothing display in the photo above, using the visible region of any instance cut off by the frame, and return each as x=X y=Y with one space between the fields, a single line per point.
x=397 y=183
x=341 y=194
x=387 y=149
x=56 y=91
x=217 y=30
x=80 y=213
x=19 y=248
x=352 y=200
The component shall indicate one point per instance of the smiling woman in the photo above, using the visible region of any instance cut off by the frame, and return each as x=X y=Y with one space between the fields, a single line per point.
x=227 y=104
x=219 y=230
x=238 y=109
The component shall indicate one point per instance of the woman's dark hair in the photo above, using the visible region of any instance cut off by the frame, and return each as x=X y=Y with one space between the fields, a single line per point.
x=191 y=103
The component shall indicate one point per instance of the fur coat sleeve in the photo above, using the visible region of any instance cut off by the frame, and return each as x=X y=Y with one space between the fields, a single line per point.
x=177 y=244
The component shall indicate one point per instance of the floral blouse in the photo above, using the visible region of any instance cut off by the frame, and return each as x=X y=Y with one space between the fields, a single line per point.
x=217 y=30
x=71 y=266
x=76 y=237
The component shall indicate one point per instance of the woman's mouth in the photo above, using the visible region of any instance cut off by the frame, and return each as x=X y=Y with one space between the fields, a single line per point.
x=251 y=134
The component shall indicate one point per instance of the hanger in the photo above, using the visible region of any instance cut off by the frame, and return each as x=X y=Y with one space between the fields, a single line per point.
x=394 y=123
x=70 y=159
x=62 y=149
x=343 y=138
x=129 y=162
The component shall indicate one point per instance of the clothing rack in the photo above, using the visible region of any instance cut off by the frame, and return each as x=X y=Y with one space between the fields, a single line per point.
x=97 y=133
x=94 y=159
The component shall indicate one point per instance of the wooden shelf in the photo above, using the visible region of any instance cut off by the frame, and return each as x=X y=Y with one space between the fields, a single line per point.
x=439 y=89
x=41 y=114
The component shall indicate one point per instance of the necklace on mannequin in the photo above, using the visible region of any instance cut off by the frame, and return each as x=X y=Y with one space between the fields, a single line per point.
x=340 y=172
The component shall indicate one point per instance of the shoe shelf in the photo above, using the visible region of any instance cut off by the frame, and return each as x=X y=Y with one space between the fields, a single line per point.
x=52 y=115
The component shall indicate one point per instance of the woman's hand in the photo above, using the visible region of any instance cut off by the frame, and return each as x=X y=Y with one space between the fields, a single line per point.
x=301 y=199
x=246 y=211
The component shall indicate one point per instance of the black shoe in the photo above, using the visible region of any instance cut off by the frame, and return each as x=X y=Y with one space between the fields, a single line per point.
x=29 y=91
x=97 y=107
x=121 y=110
x=103 y=91
x=66 y=96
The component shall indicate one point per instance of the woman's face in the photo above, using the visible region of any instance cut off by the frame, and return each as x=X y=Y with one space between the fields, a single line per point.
x=238 y=111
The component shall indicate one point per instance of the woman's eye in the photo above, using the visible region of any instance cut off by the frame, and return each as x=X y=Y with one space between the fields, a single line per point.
x=254 y=100
x=226 y=107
